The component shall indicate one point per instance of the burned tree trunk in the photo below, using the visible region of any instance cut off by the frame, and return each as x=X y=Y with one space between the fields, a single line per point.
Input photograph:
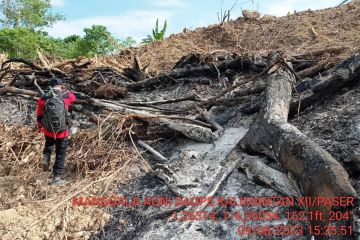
x=316 y=172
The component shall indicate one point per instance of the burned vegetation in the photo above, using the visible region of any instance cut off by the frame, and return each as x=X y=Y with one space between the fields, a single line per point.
x=218 y=123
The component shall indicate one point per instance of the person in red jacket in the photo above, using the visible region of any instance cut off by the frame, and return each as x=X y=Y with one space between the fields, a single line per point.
x=59 y=139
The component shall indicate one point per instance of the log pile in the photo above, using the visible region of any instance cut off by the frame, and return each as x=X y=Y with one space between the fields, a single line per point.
x=276 y=86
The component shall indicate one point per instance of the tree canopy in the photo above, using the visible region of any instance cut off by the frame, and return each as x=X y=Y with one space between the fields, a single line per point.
x=97 y=41
x=23 y=21
x=27 y=14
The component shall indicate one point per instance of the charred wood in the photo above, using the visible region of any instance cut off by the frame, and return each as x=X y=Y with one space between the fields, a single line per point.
x=316 y=172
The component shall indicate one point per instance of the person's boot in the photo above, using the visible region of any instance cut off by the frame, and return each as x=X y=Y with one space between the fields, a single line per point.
x=46 y=162
x=57 y=181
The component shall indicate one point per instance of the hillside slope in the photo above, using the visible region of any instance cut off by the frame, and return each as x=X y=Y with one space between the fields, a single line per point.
x=295 y=34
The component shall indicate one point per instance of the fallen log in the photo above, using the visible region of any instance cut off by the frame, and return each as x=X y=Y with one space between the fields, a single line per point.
x=342 y=75
x=208 y=103
x=41 y=70
x=316 y=172
x=14 y=90
x=257 y=171
x=20 y=60
x=317 y=69
x=239 y=63
x=74 y=63
x=189 y=127
x=193 y=59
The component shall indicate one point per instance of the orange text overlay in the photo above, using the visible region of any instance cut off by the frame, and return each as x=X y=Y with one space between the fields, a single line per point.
x=294 y=230
x=253 y=216
x=165 y=201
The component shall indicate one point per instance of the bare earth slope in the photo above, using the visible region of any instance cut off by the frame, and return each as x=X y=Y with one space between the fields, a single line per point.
x=295 y=34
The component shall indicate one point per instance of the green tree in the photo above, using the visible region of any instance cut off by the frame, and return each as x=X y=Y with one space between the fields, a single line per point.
x=126 y=43
x=156 y=34
x=72 y=38
x=27 y=14
x=70 y=46
x=57 y=47
x=97 y=41
x=21 y=35
x=19 y=42
x=23 y=43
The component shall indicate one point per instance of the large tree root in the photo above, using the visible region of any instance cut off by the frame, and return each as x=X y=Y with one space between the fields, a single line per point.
x=316 y=172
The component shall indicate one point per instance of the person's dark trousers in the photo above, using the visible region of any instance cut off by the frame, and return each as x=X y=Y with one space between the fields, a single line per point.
x=60 y=149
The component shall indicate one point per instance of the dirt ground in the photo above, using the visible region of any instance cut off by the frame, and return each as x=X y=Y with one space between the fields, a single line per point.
x=25 y=193
x=333 y=27
x=26 y=197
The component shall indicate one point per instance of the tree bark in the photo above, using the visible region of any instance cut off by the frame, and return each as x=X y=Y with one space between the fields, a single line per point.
x=316 y=172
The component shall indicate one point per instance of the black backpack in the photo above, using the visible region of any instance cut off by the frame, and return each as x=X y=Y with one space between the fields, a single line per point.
x=54 y=114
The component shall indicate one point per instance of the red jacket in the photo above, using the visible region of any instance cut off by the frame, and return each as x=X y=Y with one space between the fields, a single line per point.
x=69 y=98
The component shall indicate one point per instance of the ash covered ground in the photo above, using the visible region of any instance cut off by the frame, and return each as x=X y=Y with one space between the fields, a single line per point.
x=26 y=197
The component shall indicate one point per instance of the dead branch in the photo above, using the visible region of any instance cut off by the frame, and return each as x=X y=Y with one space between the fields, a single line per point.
x=167 y=181
x=167 y=213
x=320 y=52
x=157 y=155
x=219 y=129
x=20 y=60
x=154 y=103
x=219 y=181
x=38 y=87
x=314 y=70
x=43 y=60
x=258 y=171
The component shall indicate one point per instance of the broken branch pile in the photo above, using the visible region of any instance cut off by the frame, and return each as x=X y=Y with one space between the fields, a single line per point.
x=97 y=85
x=249 y=81
x=92 y=153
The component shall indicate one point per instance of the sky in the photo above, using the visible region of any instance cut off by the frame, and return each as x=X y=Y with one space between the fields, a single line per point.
x=136 y=18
